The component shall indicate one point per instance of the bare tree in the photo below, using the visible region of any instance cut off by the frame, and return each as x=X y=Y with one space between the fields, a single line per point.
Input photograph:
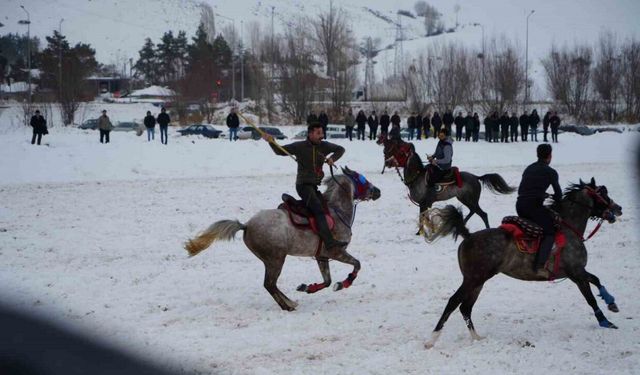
x=568 y=74
x=504 y=76
x=607 y=74
x=630 y=87
x=432 y=23
x=207 y=19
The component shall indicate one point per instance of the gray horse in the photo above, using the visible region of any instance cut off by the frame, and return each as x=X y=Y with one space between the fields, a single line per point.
x=271 y=237
x=485 y=253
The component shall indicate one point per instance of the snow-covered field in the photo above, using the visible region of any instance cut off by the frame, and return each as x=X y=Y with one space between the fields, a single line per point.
x=91 y=236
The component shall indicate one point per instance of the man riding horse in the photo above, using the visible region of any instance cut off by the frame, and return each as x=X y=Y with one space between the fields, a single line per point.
x=311 y=154
x=441 y=160
x=531 y=195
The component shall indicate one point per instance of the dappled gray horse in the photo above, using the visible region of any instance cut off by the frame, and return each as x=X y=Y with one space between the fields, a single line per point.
x=271 y=236
x=485 y=253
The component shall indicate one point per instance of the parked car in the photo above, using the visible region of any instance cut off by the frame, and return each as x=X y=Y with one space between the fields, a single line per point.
x=203 y=130
x=127 y=126
x=249 y=132
x=579 y=129
x=89 y=124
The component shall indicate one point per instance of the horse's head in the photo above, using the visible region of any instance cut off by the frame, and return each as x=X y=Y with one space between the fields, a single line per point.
x=597 y=197
x=413 y=168
x=396 y=152
x=362 y=189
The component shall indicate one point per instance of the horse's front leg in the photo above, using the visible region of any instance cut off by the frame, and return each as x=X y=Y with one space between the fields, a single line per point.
x=582 y=280
x=323 y=264
x=604 y=294
x=345 y=257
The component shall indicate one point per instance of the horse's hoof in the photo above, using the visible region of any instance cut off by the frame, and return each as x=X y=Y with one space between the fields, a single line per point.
x=338 y=286
x=607 y=324
x=613 y=307
x=429 y=345
x=302 y=288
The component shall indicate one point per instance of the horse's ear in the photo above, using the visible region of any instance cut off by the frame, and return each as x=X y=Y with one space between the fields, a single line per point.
x=346 y=170
x=593 y=182
x=581 y=182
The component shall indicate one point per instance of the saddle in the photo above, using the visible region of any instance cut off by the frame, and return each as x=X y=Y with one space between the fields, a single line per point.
x=301 y=217
x=453 y=176
x=527 y=235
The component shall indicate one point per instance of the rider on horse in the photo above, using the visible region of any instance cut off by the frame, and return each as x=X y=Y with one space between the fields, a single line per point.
x=531 y=195
x=310 y=155
x=441 y=160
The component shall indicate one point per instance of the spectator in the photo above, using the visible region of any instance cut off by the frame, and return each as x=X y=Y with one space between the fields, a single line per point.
x=395 y=120
x=312 y=118
x=468 y=127
x=233 y=122
x=554 y=123
x=476 y=127
x=513 y=125
x=447 y=120
x=373 y=125
x=436 y=121
x=524 y=126
x=426 y=125
x=459 y=121
x=324 y=121
x=150 y=124
x=164 y=120
x=534 y=120
x=495 y=126
x=488 y=128
x=545 y=125
x=384 y=123
x=105 y=126
x=419 y=126
x=504 y=127
x=349 y=121
x=411 y=124
x=361 y=120
x=39 y=125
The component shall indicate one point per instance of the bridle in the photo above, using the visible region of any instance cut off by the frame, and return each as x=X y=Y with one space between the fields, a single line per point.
x=595 y=194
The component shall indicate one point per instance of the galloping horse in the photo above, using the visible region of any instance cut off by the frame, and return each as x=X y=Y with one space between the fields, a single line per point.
x=485 y=253
x=271 y=236
x=402 y=154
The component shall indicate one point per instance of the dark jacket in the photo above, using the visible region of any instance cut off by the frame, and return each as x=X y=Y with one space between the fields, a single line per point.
x=447 y=119
x=426 y=122
x=385 y=121
x=554 y=121
x=444 y=154
x=459 y=121
x=476 y=124
x=395 y=120
x=411 y=122
x=163 y=119
x=361 y=120
x=535 y=180
x=39 y=124
x=312 y=119
x=323 y=119
x=232 y=120
x=310 y=158
x=149 y=121
x=524 y=121
x=534 y=120
x=436 y=121
x=373 y=121
x=513 y=122
x=545 y=120
x=504 y=121
x=468 y=123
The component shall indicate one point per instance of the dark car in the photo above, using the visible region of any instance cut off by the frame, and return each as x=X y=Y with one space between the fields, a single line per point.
x=89 y=124
x=203 y=130
x=275 y=132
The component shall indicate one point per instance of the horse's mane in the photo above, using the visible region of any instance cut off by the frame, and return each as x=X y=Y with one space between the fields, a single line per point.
x=333 y=186
x=418 y=162
x=569 y=190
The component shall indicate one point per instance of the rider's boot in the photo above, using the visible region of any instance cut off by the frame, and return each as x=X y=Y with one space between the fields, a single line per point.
x=330 y=243
x=543 y=254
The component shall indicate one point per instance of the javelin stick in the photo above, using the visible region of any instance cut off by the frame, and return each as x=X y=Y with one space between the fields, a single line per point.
x=273 y=141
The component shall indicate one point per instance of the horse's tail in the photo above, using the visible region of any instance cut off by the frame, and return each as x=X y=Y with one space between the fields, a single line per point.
x=451 y=222
x=223 y=230
x=496 y=184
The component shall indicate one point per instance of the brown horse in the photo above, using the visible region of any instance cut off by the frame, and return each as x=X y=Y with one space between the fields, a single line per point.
x=485 y=253
x=271 y=236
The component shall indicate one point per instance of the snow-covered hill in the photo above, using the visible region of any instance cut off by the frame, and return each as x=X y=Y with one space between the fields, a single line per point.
x=117 y=28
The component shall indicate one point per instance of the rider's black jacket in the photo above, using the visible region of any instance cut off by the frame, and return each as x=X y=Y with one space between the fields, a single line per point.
x=535 y=180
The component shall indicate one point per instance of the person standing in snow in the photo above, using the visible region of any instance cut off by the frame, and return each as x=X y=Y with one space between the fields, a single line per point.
x=233 y=123
x=384 y=123
x=150 y=124
x=372 y=121
x=39 y=125
x=324 y=121
x=349 y=122
x=361 y=120
x=163 y=120
x=105 y=126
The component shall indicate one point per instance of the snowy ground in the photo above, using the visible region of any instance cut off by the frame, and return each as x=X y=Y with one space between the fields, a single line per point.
x=91 y=235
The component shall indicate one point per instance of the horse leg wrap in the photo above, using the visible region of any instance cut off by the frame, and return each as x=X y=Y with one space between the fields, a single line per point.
x=602 y=321
x=608 y=298
x=349 y=280
x=314 y=288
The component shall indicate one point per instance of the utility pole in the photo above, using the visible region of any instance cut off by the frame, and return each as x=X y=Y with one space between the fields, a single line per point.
x=526 y=64
x=241 y=61
x=60 y=59
x=28 y=23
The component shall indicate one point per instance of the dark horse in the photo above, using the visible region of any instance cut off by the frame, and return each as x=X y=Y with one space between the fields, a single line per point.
x=485 y=253
x=397 y=154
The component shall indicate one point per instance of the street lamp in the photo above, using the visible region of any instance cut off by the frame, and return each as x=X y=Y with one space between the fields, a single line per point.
x=526 y=64
x=28 y=23
x=233 y=62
